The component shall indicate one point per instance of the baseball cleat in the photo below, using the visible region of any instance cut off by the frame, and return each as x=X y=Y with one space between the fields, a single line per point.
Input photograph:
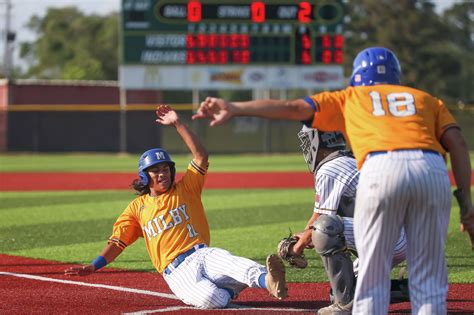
x=336 y=309
x=275 y=279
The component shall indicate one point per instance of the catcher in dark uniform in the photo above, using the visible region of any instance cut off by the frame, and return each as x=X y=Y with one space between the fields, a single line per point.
x=330 y=229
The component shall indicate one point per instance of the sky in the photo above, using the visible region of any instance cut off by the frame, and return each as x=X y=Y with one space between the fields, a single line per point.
x=23 y=10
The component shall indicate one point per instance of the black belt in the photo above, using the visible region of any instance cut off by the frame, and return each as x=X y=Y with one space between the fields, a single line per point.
x=181 y=257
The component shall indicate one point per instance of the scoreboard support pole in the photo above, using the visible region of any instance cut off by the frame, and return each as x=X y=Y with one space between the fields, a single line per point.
x=195 y=102
x=123 y=121
x=267 y=123
x=195 y=99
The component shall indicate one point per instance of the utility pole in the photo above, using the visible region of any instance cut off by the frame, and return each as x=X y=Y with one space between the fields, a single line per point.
x=9 y=39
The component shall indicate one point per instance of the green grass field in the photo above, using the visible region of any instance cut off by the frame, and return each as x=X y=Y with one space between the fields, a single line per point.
x=128 y=162
x=74 y=226
x=90 y=162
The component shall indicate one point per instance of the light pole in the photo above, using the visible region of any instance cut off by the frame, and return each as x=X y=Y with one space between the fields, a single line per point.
x=9 y=39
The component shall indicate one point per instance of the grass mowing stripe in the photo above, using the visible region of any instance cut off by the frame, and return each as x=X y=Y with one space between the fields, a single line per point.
x=75 y=162
x=102 y=162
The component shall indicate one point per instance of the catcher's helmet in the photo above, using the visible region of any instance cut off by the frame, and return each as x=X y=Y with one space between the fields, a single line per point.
x=312 y=140
x=153 y=157
x=375 y=65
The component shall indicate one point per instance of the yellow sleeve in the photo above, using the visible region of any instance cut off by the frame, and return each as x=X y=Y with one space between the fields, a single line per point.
x=127 y=228
x=444 y=120
x=194 y=178
x=329 y=111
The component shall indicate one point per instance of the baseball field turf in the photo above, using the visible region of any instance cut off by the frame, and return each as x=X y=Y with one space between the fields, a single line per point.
x=72 y=226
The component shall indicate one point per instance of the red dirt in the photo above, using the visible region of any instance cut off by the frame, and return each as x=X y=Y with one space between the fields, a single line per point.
x=27 y=296
x=98 y=181
x=11 y=181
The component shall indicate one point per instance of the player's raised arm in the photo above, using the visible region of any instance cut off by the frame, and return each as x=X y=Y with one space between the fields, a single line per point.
x=167 y=116
x=108 y=254
x=219 y=111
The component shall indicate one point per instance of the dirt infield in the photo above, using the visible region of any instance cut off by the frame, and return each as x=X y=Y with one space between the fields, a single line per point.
x=10 y=181
x=98 y=181
x=33 y=286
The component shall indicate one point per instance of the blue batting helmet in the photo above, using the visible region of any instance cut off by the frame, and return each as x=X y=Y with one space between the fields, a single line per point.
x=153 y=157
x=375 y=65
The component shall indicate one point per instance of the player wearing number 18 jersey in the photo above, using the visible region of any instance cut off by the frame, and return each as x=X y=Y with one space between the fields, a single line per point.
x=399 y=137
x=367 y=113
x=394 y=132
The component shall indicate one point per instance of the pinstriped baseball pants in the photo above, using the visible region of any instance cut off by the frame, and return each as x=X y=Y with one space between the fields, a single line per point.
x=407 y=188
x=201 y=278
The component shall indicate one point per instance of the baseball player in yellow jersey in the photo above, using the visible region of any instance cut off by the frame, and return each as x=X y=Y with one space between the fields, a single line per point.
x=399 y=136
x=170 y=217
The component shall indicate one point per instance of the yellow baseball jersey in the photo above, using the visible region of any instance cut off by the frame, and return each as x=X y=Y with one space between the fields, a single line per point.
x=170 y=223
x=382 y=118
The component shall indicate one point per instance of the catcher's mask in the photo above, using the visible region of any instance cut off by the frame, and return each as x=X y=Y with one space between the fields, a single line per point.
x=312 y=140
x=154 y=157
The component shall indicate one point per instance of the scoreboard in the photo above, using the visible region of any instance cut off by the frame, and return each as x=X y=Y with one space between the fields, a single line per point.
x=225 y=32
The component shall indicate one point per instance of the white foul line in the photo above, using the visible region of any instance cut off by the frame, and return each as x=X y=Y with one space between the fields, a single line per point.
x=103 y=286
x=231 y=307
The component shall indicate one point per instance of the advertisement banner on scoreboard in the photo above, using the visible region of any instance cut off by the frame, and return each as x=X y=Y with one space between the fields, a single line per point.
x=231 y=77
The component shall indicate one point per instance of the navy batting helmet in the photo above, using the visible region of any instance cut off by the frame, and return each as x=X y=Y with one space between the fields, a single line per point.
x=375 y=65
x=153 y=157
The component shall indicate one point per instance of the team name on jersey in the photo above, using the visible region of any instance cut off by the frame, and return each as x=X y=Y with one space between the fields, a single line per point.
x=166 y=221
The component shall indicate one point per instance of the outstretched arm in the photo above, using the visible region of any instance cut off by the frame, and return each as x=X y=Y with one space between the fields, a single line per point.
x=167 y=116
x=304 y=237
x=454 y=142
x=109 y=253
x=220 y=111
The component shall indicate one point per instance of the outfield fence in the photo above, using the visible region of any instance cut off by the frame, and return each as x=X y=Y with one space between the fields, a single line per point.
x=98 y=128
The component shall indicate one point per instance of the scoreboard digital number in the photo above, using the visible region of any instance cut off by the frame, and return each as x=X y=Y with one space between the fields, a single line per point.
x=212 y=32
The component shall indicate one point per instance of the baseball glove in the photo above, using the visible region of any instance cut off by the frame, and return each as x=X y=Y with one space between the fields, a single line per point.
x=285 y=253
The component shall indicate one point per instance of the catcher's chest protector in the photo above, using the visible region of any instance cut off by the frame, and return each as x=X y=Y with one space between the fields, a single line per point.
x=346 y=204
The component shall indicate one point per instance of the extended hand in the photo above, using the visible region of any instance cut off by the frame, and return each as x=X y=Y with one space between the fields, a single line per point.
x=467 y=225
x=80 y=271
x=216 y=109
x=165 y=115
x=304 y=239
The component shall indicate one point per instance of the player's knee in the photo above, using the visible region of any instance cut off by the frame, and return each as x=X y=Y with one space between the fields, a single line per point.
x=328 y=235
x=400 y=250
x=216 y=299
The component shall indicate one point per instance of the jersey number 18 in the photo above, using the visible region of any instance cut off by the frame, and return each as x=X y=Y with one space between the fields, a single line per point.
x=399 y=104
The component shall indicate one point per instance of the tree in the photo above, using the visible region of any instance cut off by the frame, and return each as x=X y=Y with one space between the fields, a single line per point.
x=460 y=20
x=72 y=46
x=419 y=37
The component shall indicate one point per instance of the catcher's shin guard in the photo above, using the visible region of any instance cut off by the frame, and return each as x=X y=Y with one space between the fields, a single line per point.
x=329 y=242
x=341 y=277
x=399 y=291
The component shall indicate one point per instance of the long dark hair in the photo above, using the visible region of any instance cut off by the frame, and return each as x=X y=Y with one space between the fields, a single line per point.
x=140 y=188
